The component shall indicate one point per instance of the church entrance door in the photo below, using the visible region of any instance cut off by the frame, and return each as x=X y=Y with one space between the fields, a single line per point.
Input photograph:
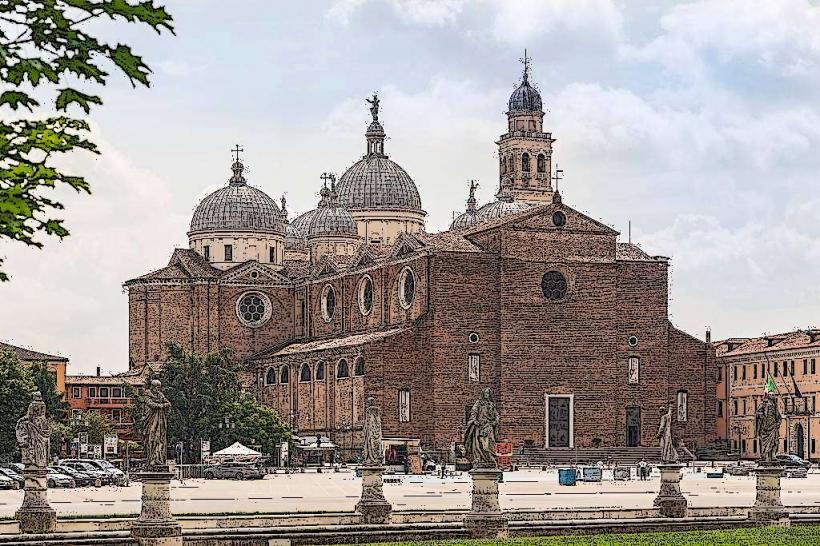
x=633 y=426
x=559 y=421
x=801 y=450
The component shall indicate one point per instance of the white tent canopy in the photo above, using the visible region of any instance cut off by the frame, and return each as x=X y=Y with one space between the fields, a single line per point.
x=236 y=450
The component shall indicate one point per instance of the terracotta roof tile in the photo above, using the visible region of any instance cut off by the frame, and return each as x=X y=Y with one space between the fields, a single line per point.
x=28 y=354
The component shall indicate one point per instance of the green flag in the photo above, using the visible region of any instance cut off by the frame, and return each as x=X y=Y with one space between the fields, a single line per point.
x=770 y=386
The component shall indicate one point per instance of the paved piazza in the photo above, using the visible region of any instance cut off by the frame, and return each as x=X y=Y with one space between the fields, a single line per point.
x=523 y=490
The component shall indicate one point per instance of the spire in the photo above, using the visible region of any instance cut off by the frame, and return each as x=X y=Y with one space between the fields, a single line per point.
x=526 y=62
x=237 y=167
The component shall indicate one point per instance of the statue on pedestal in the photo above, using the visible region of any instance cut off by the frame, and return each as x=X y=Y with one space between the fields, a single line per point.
x=669 y=454
x=373 y=452
x=32 y=433
x=767 y=428
x=481 y=431
x=155 y=426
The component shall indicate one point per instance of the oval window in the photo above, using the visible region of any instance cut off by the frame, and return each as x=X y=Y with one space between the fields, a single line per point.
x=554 y=286
x=328 y=302
x=366 y=295
x=559 y=219
x=407 y=287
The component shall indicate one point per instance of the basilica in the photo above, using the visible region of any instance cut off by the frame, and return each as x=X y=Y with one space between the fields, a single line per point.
x=526 y=295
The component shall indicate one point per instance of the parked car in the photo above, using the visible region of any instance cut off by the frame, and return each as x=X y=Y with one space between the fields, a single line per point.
x=795 y=472
x=103 y=477
x=17 y=467
x=58 y=479
x=7 y=483
x=118 y=477
x=738 y=469
x=789 y=460
x=80 y=477
x=10 y=473
x=238 y=471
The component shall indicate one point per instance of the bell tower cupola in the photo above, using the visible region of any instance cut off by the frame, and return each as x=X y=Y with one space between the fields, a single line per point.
x=525 y=150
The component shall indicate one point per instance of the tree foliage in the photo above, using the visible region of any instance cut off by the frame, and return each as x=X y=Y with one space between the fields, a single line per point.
x=44 y=381
x=46 y=49
x=206 y=391
x=16 y=389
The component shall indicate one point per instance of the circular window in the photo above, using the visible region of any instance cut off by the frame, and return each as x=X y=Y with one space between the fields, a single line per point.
x=473 y=337
x=633 y=341
x=253 y=309
x=366 y=295
x=254 y=274
x=328 y=302
x=554 y=286
x=407 y=287
x=559 y=219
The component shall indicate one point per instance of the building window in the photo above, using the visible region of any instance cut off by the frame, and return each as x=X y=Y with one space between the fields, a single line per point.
x=358 y=367
x=812 y=445
x=683 y=401
x=474 y=367
x=472 y=337
x=554 y=285
x=754 y=445
x=744 y=407
x=92 y=392
x=404 y=406
x=791 y=368
x=743 y=445
x=633 y=370
x=342 y=370
x=525 y=163
x=104 y=392
x=813 y=369
x=541 y=163
x=206 y=250
x=776 y=369
x=253 y=309
x=720 y=408
x=719 y=374
x=116 y=415
x=734 y=373
x=805 y=366
x=320 y=371
x=744 y=374
x=75 y=392
x=228 y=253
x=407 y=287
x=559 y=219
x=270 y=376
x=786 y=445
x=284 y=378
x=304 y=374
x=116 y=392
x=734 y=407
x=365 y=295
x=328 y=302
x=754 y=371
x=272 y=254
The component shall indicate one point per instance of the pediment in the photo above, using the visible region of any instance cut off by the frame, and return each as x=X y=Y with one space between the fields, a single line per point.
x=253 y=272
x=325 y=267
x=364 y=257
x=544 y=218
x=405 y=245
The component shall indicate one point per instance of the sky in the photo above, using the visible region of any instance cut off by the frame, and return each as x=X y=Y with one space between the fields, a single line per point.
x=698 y=122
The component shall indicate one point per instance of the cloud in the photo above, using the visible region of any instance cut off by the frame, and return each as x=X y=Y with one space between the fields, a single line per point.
x=423 y=12
x=521 y=21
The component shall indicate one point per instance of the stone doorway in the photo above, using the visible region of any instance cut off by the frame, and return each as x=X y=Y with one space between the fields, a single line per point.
x=633 y=426
x=559 y=422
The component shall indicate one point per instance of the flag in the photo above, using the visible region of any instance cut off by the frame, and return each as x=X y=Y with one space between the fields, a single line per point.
x=770 y=386
x=797 y=392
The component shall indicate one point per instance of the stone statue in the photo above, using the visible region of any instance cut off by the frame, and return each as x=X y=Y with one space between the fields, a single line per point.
x=767 y=428
x=373 y=452
x=481 y=431
x=473 y=186
x=32 y=433
x=374 y=106
x=668 y=452
x=155 y=425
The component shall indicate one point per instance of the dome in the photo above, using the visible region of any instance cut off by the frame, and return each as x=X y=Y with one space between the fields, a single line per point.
x=376 y=182
x=499 y=208
x=465 y=220
x=301 y=222
x=295 y=238
x=238 y=207
x=332 y=220
x=525 y=98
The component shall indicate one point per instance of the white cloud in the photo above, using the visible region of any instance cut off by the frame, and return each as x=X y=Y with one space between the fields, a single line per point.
x=520 y=21
x=341 y=11
x=423 y=12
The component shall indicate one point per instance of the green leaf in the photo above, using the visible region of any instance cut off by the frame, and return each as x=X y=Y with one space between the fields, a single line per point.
x=130 y=64
x=16 y=99
x=70 y=96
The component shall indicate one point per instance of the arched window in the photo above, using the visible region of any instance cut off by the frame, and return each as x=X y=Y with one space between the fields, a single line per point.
x=270 y=377
x=320 y=371
x=304 y=373
x=502 y=165
x=407 y=287
x=525 y=163
x=285 y=377
x=342 y=370
x=510 y=166
x=358 y=368
x=542 y=163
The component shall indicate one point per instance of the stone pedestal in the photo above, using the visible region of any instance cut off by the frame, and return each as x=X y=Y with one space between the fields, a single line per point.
x=155 y=525
x=767 y=506
x=670 y=500
x=486 y=520
x=35 y=514
x=373 y=507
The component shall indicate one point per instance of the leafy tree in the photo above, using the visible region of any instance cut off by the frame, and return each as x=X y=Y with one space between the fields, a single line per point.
x=16 y=389
x=95 y=424
x=60 y=435
x=254 y=424
x=56 y=406
x=46 y=48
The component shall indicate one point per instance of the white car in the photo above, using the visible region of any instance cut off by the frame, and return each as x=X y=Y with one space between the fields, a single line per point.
x=7 y=483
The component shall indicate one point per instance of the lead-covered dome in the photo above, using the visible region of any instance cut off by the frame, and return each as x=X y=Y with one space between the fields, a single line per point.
x=331 y=219
x=376 y=182
x=525 y=98
x=238 y=207
x=499 y=208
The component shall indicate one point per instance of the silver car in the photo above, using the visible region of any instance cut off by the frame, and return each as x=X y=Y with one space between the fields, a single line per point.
x=58 y=479
x=236 y=471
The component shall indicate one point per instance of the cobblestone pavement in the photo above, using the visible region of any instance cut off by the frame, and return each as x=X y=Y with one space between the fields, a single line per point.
x=523 y=490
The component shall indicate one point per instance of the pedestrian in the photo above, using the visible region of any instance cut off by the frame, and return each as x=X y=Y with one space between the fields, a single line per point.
x=642 y=469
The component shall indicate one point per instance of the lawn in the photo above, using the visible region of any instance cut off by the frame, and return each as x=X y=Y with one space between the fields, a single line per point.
x=763 y=536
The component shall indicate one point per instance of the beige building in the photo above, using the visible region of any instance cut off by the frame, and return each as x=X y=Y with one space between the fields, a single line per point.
x=743 y=364
x=54 y=364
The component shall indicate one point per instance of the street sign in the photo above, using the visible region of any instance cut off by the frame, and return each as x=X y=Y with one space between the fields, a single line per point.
x=97 y=451
x=83 y=437
x=83 y=448
x=110 y=442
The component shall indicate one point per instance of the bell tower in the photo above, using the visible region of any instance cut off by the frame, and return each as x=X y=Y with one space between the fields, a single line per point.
x=525 y=150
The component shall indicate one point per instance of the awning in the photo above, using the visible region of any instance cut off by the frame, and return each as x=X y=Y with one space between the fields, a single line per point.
x=237 y=450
